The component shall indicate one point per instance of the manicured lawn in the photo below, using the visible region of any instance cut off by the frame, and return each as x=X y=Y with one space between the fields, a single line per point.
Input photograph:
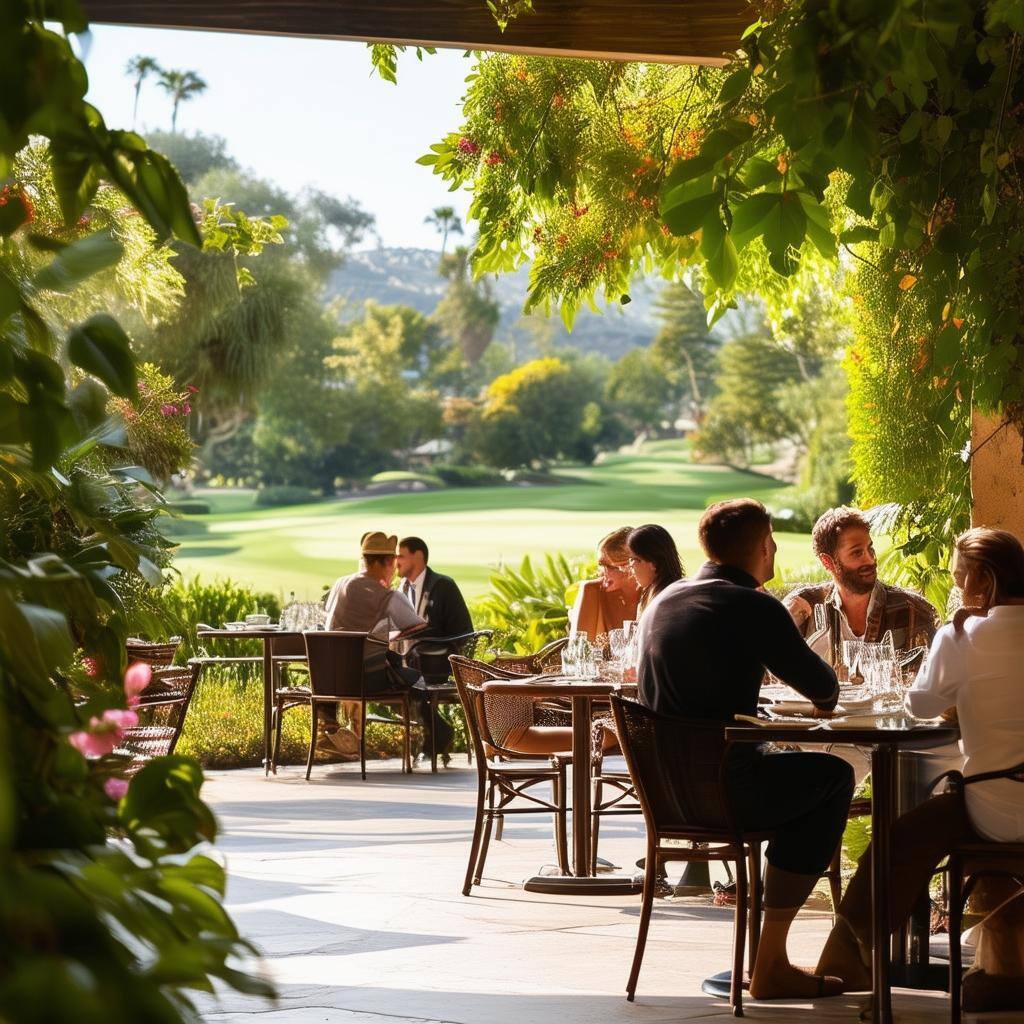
x=469 y=530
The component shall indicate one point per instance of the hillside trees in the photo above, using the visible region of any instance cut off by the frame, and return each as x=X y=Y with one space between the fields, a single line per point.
x=468 y=313
x=684 y=349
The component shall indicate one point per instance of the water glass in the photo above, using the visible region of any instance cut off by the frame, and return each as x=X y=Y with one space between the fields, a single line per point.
x=617 y=642
x=570 y=653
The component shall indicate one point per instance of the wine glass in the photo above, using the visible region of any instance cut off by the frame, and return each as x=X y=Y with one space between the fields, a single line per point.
x=617 y=642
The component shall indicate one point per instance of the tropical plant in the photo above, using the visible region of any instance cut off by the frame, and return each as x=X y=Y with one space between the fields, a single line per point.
x=180 y=86
x=140 y=68
x=528 y=607
x=445 y=220
x=108 y=910
x=468 y=313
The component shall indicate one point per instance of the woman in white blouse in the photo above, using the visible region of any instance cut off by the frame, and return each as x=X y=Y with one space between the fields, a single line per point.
x=976 y=664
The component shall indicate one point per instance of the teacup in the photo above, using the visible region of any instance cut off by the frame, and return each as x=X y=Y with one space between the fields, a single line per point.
x=257 y=620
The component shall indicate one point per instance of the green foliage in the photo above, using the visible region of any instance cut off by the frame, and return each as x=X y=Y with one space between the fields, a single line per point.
x=404 y=476
x=180 y=86
x=531 y=415
x=746 y=410
x=189 y=507
x=156 y=424
x=639 y=390
x=384 y=59
x=188 y=602
x=193 y=155
x=280 y=495
x=95 y=929
x=468 y=476
x=468 y=313
x=528 y=608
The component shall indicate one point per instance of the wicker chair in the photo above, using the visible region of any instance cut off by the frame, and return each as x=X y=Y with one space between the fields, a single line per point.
x=676 y=767
x=547 y=659
x=157 y=655
x=968 y=862
x=336 y=660
x=505 y=776
x=161 y=708
x=430 y=657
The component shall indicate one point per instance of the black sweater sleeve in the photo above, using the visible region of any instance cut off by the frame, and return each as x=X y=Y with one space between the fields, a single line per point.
x=786 y=655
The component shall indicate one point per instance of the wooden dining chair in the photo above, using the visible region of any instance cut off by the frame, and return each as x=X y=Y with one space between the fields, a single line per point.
x=676 y=768
x=505 y=776
x=968 y=863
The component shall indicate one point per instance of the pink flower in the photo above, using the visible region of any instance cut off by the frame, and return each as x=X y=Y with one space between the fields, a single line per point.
x=91 y=666
x=493 y=158
x=119 y=718
x=142 y=387
x=136 y=679
x=115 y=788
x=168 y=410
x=185 y=408
x=468 y=146
x=93 y=744
x=191 y=388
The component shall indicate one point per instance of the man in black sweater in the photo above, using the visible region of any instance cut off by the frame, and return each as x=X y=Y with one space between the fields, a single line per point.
x=705 y=644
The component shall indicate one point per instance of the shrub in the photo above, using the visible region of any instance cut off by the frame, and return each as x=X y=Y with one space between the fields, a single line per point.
x=528 y=608
x=188 y=602
x=403 y=476
x=284 y=494
x=190 y=507
x=470 y=476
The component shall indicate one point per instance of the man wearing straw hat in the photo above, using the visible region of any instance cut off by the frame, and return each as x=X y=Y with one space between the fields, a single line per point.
x=366 y=603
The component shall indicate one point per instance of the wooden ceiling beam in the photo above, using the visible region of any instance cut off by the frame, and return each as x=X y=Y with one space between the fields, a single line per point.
x=676 y=31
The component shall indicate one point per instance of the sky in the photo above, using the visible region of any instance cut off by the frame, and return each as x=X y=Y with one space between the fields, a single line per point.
x=301 y=112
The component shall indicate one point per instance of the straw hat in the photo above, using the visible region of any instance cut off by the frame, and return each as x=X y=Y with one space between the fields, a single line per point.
x=377 y=543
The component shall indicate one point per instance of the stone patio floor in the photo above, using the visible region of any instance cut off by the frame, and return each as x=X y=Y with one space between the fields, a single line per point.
x=352 y=891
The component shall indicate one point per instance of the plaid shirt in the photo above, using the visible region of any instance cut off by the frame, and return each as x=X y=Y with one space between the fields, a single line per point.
x=817 y=608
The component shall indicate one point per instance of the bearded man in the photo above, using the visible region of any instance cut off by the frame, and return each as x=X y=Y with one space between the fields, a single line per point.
x=855 y=605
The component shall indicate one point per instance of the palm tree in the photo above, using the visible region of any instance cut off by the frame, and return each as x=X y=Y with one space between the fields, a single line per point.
x=445 y=220
x=180 y=86
x=141 y=67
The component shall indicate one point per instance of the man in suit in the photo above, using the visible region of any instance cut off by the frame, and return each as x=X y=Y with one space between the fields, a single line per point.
x=436 y=598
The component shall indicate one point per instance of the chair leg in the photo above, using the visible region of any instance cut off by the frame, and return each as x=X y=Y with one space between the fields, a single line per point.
x=956 y=912
x=314 y=721
x=407 y=736
x=469 y=739
x=756 y=904
x=433 y=737
x=595 y=823
x=474 y=846
x=362 y=739
x=485 y=842
x=500 y=830
x=739 y=937
x=561 y=824
x=277 y=715
x=835 y=884
x=646 y=906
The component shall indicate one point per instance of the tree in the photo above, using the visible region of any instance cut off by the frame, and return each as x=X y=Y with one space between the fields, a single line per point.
x=468 y=313
x=746 y=411
x=532 y=415
x=180 y=86
x=445 y=220
x=140 y=68
x=684 y=348
x=639 y=390
x=194 y=155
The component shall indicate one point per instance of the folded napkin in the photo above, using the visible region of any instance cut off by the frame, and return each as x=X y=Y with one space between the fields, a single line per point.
x=795 y=721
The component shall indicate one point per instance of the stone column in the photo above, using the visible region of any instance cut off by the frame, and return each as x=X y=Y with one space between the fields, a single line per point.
x=997 y=475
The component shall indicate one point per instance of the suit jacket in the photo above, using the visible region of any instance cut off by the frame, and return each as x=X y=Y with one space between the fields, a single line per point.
x=441 y=603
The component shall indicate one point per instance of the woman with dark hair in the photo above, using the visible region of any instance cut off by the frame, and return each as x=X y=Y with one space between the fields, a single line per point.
x=603 y=604
x=976 y=664
x=654 y=562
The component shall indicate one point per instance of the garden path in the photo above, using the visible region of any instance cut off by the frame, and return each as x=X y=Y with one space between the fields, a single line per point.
x=353 y=892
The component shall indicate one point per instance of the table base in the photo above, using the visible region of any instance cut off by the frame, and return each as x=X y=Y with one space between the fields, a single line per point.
x=571 y=885
x=720 y=985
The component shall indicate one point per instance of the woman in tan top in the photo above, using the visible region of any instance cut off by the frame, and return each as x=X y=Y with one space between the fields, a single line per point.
x=605 y=603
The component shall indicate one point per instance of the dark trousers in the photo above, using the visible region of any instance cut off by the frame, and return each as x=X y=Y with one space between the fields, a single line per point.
x=803 y=796
x=920 y=839
x=387 y=674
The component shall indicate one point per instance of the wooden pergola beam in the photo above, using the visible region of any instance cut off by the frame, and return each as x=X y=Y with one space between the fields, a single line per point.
x=677 y=31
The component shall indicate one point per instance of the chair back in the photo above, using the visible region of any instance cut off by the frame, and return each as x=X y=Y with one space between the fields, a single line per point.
x=493 y=718
x=288 y=646
x=335 y=660
x=676 y=767
x=156 y=655
x=162 y=707
x=547 y=659
x=430 y=655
